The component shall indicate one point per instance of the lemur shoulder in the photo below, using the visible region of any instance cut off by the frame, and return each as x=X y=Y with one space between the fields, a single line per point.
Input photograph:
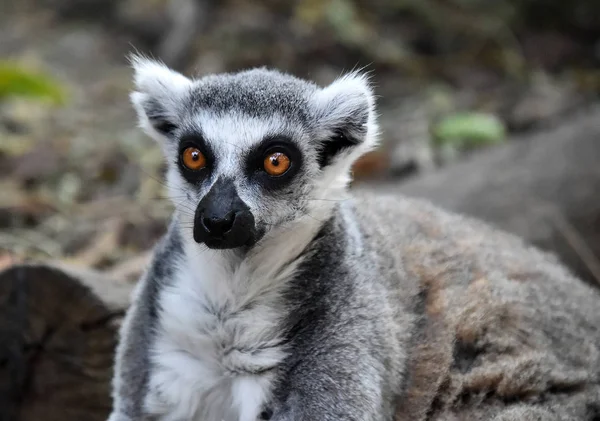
x=278 y=293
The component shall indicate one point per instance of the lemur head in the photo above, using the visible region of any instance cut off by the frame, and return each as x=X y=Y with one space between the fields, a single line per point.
x=252 y=152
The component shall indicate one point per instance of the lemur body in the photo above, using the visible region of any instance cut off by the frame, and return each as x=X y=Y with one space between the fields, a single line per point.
x=277 y=294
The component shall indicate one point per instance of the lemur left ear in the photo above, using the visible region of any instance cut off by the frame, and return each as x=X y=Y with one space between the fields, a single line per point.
x=159 y=94
x=345 y=116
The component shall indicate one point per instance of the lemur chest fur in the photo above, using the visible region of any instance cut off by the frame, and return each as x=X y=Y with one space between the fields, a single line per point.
x=217 y=342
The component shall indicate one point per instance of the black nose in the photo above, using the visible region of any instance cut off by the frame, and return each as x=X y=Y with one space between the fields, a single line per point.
x=218 y=226
x=222 y=220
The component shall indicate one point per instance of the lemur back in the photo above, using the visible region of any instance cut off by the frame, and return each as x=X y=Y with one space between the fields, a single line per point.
x=279 y=294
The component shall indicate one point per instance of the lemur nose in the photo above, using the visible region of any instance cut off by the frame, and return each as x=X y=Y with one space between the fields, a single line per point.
x=218 y=226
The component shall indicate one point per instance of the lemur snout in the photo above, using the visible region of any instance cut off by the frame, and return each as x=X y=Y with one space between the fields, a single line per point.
x=222 y=219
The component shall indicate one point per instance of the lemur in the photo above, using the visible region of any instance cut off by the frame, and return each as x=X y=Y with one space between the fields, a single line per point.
x=279 y=292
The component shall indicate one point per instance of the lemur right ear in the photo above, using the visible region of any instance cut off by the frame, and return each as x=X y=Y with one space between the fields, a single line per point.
x=158 y=96
x=346 y=120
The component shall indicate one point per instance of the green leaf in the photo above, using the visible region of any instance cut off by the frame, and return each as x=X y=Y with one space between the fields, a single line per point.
x=469 y=129
x=16 y=81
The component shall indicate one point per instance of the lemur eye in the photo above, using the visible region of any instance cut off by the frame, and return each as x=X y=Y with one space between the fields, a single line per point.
x=277 y=164
x=193 y=159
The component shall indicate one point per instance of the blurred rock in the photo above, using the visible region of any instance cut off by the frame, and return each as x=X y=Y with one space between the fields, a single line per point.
x=542 y=102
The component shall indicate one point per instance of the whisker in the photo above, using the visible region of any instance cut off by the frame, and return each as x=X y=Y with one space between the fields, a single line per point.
x=146 y=173
x=185 y=207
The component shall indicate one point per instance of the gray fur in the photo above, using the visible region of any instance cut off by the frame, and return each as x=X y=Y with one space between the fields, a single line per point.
x=360 y=307
x=130 y=383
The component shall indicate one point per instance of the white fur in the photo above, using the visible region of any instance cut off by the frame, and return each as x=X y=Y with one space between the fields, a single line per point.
x=196 y=375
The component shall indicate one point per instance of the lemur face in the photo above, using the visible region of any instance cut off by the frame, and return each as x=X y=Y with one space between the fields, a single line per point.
x=253 y=152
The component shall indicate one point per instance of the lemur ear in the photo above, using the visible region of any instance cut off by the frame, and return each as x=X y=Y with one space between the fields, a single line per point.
x=345 y=115
x=158 y=96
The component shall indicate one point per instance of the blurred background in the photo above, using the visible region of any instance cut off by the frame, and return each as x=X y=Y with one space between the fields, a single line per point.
x=490 y=108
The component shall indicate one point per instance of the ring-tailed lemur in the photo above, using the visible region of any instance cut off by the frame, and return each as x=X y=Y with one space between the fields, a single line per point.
x=277 y=294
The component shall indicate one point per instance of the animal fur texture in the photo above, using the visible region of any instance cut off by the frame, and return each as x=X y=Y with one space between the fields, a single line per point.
x=337 y=306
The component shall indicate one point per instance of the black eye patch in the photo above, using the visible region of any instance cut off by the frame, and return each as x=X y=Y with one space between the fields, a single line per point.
x=195 y=140
x=255 y=162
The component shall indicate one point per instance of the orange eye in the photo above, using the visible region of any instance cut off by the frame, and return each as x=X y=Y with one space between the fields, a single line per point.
x=193 y=158
x=277 y=164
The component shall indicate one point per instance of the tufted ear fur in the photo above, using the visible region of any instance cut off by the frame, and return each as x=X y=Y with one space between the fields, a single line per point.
x=158 y=96
x=345 y=115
